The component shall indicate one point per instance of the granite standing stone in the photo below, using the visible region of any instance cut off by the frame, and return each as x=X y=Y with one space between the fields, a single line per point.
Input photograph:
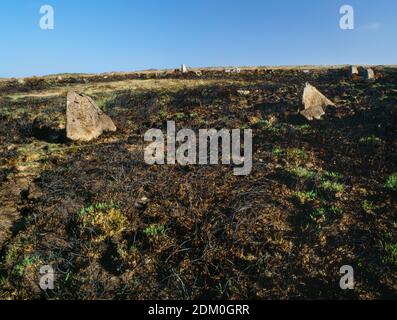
x=84 y=120
x=314 y=102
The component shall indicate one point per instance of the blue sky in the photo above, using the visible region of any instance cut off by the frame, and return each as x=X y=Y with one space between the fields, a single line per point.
x=126 y=35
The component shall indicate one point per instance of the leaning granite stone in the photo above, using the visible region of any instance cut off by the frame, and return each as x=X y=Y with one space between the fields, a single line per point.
x=314 y=102
x=84 y=120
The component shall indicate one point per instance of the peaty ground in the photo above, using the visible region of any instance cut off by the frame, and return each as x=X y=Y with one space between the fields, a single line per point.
x=321 y=195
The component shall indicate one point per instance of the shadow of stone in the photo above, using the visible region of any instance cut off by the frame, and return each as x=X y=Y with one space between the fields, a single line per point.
x=48 y=132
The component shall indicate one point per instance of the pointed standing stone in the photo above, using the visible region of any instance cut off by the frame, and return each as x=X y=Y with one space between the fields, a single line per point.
x=184 y=69
x=84 y=120
x=314 y=102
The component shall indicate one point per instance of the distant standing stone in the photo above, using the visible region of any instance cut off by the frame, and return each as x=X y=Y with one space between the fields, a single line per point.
x=314 y=102
x=354 y=70
x=184 y=69
x=84 y=120
x=369 y=74
x=233 y=70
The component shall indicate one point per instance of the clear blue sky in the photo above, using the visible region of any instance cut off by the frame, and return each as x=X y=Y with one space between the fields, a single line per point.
x=126 y=35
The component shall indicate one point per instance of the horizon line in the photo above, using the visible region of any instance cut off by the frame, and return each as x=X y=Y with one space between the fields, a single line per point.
x=153 y=70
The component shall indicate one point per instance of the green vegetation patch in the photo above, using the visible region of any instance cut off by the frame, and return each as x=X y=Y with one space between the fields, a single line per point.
x=391 y=182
